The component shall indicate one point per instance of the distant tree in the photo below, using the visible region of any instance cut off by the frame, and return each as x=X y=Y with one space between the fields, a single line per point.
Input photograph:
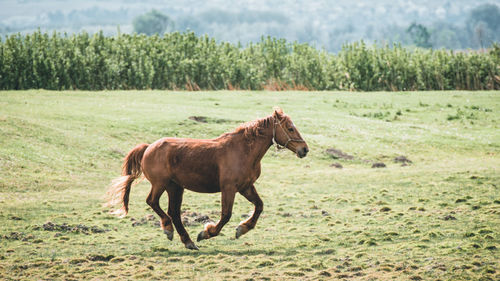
x=153 y=22
x=483 y=24
x=420 y=35
x=487 y=13
x=448 y=35
x=481 y=33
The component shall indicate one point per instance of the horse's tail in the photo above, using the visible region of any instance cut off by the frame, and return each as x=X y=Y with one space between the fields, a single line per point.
x=118 y=192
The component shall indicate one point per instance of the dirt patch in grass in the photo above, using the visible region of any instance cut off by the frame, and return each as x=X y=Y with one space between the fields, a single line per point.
x=403 y=160
x=201 y=119
x=188 y=219
x=97 y=257
x=18 y=236
x=64 y=227
x=337 y=165
x=378 y=165
x=146 y=219
x=193 y=218
x=449 y=218
x=338 y=154
x=15 y=218
x=205 y=119
x=385 y=209
x=341 y=155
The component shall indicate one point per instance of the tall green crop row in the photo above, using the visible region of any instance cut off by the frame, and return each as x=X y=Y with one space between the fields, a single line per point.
x=186 y=61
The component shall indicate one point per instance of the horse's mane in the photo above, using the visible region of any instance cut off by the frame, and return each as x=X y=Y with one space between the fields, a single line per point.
x=252 y=129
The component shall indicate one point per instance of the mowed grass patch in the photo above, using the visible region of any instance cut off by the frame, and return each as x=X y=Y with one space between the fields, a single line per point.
x=434 y=218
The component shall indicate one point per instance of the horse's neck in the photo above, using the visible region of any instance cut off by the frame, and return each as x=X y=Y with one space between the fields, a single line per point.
x=258 y=147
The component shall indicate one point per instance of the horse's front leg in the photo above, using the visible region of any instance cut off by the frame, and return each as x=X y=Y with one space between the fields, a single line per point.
x=251 y=195
x=211 y=229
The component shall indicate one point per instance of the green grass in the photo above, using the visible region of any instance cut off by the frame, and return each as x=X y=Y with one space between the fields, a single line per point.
x=437 y=218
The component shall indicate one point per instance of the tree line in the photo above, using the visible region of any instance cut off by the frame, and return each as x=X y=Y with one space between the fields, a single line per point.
x=185 y=61
x=476 y=28
x=458 y=25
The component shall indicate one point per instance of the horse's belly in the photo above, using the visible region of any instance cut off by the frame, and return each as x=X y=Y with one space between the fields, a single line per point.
x=198 y=183
x=204 y=189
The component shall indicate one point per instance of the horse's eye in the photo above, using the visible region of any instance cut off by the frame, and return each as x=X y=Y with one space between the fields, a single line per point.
x=290 y=129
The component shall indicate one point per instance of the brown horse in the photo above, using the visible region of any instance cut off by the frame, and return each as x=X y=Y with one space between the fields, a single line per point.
x=227 y=164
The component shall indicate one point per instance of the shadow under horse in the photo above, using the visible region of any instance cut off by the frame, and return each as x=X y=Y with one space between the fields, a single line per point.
x=227 y=164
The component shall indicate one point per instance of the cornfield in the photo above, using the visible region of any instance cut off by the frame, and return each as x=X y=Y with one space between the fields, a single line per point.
x=186 y=61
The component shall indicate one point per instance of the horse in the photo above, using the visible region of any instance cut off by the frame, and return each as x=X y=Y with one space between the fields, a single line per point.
x=228 y=164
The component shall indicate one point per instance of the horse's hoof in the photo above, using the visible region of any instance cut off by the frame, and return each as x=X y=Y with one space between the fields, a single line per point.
x=192 y=246
x=170 y=234
x=201 y=236
x=240 y=230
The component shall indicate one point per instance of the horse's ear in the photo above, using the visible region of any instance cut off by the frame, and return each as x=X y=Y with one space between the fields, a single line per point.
x=278 y=112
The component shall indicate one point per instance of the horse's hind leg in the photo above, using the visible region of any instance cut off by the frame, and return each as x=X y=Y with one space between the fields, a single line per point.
x=153 y=200
x=175 y=193
x=251 y=195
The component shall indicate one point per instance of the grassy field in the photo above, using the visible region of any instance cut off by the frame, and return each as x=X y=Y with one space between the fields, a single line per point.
x=435 y=218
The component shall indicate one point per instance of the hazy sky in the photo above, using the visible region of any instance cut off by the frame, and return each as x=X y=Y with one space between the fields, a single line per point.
x=323 y=23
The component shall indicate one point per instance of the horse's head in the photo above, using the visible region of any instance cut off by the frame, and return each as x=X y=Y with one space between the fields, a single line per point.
x=287 y=135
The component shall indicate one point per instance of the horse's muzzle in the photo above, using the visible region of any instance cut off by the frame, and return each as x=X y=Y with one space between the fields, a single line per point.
x=302 y=152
